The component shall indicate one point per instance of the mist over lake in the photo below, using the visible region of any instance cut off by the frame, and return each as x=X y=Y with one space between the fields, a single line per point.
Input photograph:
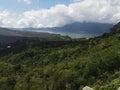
x=81 y=34
x=59 y=44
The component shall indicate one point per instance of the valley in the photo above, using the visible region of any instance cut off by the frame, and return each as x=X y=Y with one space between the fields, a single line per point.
x=62 y=65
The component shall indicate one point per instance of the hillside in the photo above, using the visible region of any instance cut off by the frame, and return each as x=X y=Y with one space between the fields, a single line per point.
x=91 y=28
x=77 y=30
x=58 y=65
x=9 y=35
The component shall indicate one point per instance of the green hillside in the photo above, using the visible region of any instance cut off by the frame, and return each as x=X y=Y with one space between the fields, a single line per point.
x=9 y=35
x=57 y=65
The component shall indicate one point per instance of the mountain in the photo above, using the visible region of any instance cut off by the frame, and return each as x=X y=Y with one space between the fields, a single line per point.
x=98 y=28
x=77 y=30
x=66 y=65
x=8 y=32
x=9 y=35
x=74 y=30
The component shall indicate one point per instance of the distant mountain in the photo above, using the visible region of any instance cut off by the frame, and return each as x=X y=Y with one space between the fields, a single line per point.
x=9 y=35
x=76 y=30
x=8 y=32
x=69 y=65
x=98 y=28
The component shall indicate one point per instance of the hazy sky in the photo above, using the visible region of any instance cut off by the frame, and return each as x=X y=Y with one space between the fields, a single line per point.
x=52 y=13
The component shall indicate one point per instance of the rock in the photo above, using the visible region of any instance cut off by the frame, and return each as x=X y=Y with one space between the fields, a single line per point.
x=119 y=88
x=87 y=88
x=8 y=46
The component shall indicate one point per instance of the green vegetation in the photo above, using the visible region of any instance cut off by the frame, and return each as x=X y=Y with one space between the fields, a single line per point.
x=67 y=65
x=9 y=36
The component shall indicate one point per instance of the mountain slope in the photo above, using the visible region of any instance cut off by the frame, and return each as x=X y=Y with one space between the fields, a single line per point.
x=8 y=35
x=68 y=65
x=98 y=28
x=77 y=30
x=7 y=32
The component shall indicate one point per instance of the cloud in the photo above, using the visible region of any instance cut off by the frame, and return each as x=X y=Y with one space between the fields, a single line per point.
x=8 y=19
x=76 y=0
x=46 y=17
x=103 y=11
x=26 y=1
x=3 y=15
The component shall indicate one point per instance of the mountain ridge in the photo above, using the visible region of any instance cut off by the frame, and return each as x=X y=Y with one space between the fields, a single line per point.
x=80 y=30
x=66 y=65
x=9 y=35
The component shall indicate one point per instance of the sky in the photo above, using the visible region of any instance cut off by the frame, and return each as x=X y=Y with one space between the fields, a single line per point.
x=55 y=13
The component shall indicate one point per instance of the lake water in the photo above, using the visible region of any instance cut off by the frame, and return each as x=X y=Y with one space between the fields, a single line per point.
x=72 y=35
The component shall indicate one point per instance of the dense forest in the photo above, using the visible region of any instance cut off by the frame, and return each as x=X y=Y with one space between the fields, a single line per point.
x=62 y=65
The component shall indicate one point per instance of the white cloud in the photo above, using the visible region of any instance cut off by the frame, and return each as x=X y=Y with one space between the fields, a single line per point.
x=3 y=16
x=76 y=0
x=26 y=1
x=107 y=11
x=8 y=19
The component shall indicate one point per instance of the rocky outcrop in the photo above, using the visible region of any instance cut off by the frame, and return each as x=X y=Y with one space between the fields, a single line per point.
x=119 y=88
x=87 y=88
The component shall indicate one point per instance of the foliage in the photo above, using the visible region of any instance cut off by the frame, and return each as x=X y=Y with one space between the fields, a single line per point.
x=61 y=65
